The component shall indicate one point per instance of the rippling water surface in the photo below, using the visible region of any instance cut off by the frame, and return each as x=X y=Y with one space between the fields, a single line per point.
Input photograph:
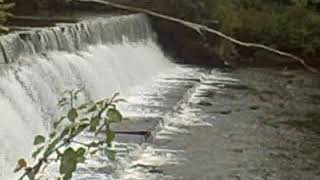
x=247 y=124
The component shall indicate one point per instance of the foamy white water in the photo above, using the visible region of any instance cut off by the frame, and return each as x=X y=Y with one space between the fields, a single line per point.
x=100 y=56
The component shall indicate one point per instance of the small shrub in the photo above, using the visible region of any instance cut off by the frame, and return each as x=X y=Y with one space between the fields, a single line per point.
x=289 y=25
x=62 y=145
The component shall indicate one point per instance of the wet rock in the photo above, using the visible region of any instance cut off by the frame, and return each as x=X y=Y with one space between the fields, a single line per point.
x=270 y=92
x=238 y=150
x=136 y=129
x=156 y=171
x=204 y=103
x=282 y=105
x=143 y=166
x=254 y=107
x=237 y=86
x=224 y=112
x=184 y=79
x=207 y=94
x=103 y=169
x=289 y=81
x=264 y=97
x=137 y=124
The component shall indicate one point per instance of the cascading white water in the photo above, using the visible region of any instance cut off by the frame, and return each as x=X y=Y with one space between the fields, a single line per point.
x=103 y=56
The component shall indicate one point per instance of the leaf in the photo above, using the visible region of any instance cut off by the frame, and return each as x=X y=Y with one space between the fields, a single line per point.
x=81 y=151
x=72 y=115
x=111 y=154
x=56 y=141
x=22 y=163
x=101 y=102
x=92 y=109
x=94 y=152
x=51 y=147
x=114 y=116
x=76 y=93
x=94 y=123
x=62 y=102
x=58 y=155
x=56 y=124
x=53 y=134
x=65 y=131
x=68 y=163
x=69 y=160
x=114 y=97
x=83 y=106
x=80 y=128
x=110 y=137
x=37 y=152
x=81 y=159
x=4 y=28
x=119 y=100
x=84 y=120
x=39 y=140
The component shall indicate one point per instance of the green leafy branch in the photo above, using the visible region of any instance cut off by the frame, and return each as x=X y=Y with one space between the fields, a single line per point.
x=92 y=117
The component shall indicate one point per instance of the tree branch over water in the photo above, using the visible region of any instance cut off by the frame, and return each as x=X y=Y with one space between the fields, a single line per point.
x=202 y=28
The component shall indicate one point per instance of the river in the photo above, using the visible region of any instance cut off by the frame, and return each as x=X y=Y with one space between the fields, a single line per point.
x=204 y=123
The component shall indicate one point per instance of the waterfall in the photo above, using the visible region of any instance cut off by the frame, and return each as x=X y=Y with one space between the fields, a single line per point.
x=100 y=55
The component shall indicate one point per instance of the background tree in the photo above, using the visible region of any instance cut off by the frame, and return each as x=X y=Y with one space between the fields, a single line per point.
x=4 y=14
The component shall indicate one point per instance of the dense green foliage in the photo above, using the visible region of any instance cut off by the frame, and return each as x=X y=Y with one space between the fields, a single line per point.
x=63 y=145
x=4 y=14
x=289 y=25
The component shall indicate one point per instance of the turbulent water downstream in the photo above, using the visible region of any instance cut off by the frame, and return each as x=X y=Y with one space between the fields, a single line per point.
x=206 y=124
